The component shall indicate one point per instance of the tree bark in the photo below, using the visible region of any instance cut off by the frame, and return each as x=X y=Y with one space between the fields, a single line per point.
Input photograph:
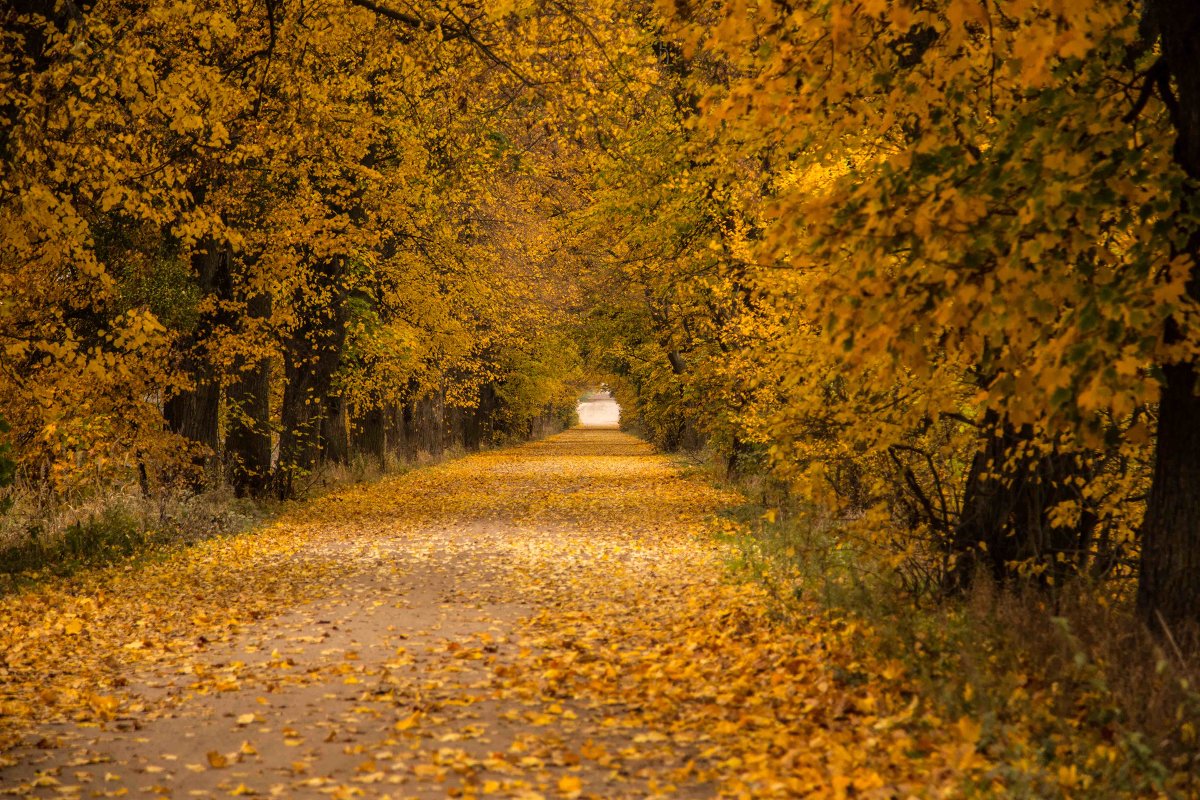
x=194 y=413
x=1169 y=580
x=395 y=431
x=483 y=418
x=335 y=433
x=437 y=423
x=1168 y=596
x=408 y=426
x=248 y=439
x=1013 y=484
x=370 y=437
x=310 y=358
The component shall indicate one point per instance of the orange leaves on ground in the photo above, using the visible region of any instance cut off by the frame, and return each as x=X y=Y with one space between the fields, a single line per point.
x=639 y=669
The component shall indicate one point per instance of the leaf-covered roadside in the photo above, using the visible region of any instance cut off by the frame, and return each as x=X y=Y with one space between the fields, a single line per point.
x=767 y=708
x=1070 y=698
x=67 y=645
x=639 y=669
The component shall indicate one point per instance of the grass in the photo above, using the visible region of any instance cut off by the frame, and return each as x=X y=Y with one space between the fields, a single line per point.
x=43 y=536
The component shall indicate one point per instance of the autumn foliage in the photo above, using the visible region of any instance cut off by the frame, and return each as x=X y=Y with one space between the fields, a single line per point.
x=926 y=264
x=241 y=241
x=922 y=273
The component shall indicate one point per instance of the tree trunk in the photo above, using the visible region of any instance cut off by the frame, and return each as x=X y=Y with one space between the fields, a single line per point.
x=733 y=463
x=396 y=432
x=335 y=432
x=310 y=358
x=437 y=424
x=194 y=413
x=370 y=437
x=1013 y=485
x=408 y=424
x=482 y=416
x=428 y=422
x=1169 y=581
x=248 y=439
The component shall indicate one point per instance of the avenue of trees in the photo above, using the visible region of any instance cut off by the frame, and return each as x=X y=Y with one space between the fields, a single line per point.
x=929 y=265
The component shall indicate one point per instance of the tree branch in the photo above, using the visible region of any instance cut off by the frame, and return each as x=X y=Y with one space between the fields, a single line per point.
x=404 y=18
x=1152 y=78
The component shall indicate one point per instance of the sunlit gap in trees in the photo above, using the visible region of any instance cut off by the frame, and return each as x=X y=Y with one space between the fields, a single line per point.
x=599 y=410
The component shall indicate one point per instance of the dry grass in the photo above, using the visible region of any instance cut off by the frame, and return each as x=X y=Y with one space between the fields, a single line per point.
x=57 y=534
x=1086 y=640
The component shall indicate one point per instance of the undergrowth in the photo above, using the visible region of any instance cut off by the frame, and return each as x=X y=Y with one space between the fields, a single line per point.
x=1074 y=697
x=44 y=536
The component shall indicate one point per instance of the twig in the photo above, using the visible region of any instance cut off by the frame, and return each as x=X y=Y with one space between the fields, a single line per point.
x=1183 y=665
x=410 y=20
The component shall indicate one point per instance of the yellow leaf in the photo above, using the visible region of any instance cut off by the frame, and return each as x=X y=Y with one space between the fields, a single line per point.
x=570 y=785
x=969 y=729
x=408 y=722
x=216 y=760
x=104 y=705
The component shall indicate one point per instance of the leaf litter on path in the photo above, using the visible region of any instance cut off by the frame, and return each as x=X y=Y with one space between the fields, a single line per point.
x=552 y=620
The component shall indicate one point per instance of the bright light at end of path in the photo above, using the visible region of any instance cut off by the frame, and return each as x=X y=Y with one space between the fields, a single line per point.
x=599 y=410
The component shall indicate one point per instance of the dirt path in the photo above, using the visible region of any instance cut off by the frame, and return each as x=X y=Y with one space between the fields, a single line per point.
x=553 y=620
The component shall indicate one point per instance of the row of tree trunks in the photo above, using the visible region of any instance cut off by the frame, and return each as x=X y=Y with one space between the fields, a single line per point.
x=427 y=427
x=229 y=417
x=320 y=431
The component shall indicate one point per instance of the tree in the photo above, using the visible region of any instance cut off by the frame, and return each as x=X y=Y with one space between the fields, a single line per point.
x=1169 y=580
x=238 y=240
